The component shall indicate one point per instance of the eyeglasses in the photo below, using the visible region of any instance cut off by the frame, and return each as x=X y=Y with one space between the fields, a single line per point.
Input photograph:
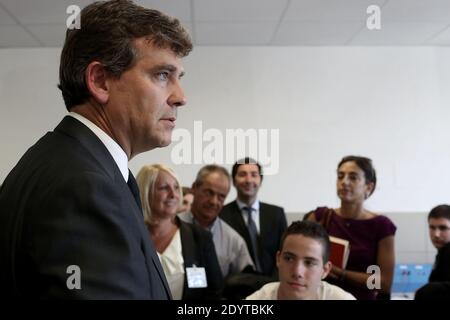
x=440 y=228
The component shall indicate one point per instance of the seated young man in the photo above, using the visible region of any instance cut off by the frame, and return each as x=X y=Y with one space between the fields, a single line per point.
x=438 y=287
x=439 y=229
x=302 y=263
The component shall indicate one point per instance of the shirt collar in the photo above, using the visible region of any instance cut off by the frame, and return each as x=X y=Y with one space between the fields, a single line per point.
x=190 y=218
x=119 y=156
x=254 y=206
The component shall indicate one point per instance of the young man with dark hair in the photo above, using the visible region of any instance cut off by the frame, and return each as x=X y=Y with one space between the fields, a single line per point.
x=302 y=263
x=438 y=287
x=439 y=230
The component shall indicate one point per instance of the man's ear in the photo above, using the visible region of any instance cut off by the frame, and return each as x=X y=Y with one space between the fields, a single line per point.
x=96 y=82
x=326 y=269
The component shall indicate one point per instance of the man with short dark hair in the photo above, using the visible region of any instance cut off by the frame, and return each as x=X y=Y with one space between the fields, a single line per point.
x=302 y=263
x=71 y=225
x=439 y=281
x=439 y=229
x=260 y=224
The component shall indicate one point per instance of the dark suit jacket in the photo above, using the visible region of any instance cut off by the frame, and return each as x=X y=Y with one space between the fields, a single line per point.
x=434 y=291
x=441 y=268
x=198 y=248
x=272 y=222
x=66 y=203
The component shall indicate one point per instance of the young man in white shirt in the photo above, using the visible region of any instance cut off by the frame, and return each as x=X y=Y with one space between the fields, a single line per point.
x=302 y=263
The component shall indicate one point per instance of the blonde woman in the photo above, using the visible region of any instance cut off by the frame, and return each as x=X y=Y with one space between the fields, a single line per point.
x=184 y=249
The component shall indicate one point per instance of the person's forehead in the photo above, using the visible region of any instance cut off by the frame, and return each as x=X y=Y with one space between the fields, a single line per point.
x=215 y=180
x=147 y=52
x=303 y=246
x=438 y=221
x=350 y=166
x=164 y=176
x=249 y=167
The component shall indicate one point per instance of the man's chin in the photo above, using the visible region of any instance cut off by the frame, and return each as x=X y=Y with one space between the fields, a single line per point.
x=164 y=142
x=438 y=245
x=297 y=296
x=249 y=193
x=211 y=214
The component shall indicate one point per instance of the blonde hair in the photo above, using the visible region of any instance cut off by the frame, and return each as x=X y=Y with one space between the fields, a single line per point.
x=146 y=179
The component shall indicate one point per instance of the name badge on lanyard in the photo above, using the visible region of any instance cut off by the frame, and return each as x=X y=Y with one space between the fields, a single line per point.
x=196 y=277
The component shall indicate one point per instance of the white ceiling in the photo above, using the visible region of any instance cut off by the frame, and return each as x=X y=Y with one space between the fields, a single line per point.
x=41 y=23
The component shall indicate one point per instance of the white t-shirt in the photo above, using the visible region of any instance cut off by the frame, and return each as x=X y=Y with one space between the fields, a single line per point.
x=326 y=291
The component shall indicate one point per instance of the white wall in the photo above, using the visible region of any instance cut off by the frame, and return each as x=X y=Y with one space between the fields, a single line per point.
x=391 y=104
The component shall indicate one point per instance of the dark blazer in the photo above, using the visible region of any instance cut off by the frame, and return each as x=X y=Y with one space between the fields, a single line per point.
x=198 y=248
x=272 y=223
x=66 y=203
x=434 y=291
x=441 y=267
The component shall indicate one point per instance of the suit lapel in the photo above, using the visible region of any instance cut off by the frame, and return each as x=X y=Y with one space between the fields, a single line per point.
x=189 y=253
x=188 y=247
x=158 y=267
x=149 y=248
x=239 y=222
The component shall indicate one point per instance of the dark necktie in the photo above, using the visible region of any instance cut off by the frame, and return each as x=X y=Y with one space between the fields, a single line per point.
x=134 y=188
x=253 y=237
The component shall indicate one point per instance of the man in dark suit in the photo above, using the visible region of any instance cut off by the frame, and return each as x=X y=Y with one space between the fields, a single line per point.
x=71 y=226
x=439 y=230
x=438 y=287
x=260 y=224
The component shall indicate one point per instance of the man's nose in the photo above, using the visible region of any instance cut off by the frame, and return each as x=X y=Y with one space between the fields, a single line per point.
x=434 y=232
x=177 y=98
x=214 y=199
x=249 y=179
x=299 y=270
